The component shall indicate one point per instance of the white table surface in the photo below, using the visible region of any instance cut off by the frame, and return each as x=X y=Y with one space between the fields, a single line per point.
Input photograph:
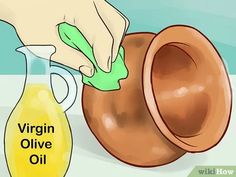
x=89 y=159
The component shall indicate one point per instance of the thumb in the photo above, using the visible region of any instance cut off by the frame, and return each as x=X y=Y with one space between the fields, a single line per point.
x=73 y=58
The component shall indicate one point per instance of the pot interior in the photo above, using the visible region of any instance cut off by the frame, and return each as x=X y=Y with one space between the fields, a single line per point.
x=187 y=89
x=182 y=102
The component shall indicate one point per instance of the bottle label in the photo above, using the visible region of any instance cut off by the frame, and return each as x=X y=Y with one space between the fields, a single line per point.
x=35 y=143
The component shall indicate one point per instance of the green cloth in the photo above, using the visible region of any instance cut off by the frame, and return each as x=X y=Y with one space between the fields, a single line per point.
x=101 y=80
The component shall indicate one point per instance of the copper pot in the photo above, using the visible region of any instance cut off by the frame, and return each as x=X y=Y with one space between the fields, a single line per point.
x=176 y=99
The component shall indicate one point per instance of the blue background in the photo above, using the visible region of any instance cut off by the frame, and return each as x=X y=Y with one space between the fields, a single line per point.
x=215 y=18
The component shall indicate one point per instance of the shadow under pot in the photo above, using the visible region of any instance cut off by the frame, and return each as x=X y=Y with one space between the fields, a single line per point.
x=176 y=99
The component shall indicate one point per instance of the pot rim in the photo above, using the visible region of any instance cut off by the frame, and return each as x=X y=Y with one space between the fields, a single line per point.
x=161 y=39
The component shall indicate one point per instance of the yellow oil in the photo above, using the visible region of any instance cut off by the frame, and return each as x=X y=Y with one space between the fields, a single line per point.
x=38 y=107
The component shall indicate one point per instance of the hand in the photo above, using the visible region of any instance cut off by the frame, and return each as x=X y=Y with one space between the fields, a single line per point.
x=102 y=25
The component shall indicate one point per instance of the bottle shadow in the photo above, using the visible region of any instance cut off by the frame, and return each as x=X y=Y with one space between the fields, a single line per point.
x=3 y=166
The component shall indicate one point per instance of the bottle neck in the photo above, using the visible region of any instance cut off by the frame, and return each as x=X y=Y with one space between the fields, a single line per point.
x=38 y=79
x=37 y=63
x=38 y=71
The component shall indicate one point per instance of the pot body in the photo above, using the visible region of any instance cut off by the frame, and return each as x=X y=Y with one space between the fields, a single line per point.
x=121 y=121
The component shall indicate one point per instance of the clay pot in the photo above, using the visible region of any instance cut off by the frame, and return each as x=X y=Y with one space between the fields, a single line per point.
x=176 y=99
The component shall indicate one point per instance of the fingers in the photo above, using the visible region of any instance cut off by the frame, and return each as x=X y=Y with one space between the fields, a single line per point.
x=72 y=58
x=116 y=23
x=97 y=34
x=103 y=27
x=102 y=49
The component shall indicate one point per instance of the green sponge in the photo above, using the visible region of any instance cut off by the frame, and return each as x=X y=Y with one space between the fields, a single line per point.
x=101 y=80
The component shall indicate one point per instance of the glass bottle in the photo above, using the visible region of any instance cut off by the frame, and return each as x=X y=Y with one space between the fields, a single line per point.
x=38 y=139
